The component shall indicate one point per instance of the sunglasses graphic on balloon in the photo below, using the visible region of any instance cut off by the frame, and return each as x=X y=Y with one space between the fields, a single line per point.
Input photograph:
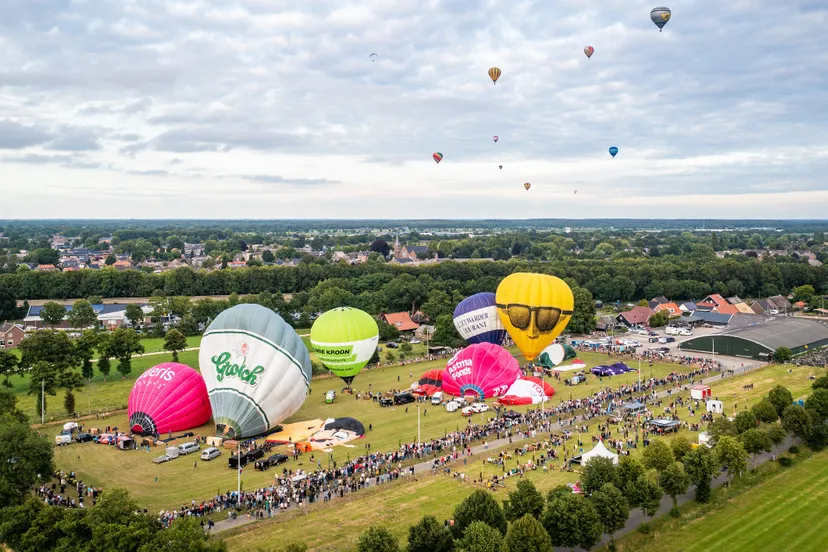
x=521 y=316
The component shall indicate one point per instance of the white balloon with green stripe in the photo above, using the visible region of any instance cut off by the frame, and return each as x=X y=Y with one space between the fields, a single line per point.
x=257 y=370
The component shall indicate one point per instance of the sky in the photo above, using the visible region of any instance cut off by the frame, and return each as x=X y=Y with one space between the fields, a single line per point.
x=275 y=110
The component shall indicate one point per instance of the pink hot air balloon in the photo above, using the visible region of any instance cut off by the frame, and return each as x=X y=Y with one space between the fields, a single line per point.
x=483 y=370
x=527 y=390
x=589 y=50
x=168 y=397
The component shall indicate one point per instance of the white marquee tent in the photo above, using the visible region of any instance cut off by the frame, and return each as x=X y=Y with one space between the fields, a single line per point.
x=599 y=451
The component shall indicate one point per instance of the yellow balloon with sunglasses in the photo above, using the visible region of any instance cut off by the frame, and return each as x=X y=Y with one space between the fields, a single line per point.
x=535 y=309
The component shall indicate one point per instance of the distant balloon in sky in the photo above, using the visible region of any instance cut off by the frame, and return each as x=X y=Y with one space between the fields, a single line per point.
x=589 y=50
x=437 y=156
x=660 y=16
x=495 y=139
x=257 y=370
x=527 y=186
x=613 y=151
x=501 y=166
x=576 y=192
x=373 y=57
x=494 y=74
x=168 y=397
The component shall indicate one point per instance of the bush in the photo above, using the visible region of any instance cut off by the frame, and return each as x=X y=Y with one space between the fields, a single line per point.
x=785 y=461
x=794 y=449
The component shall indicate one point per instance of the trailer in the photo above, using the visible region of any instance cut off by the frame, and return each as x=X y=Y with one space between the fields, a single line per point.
x=700 y=392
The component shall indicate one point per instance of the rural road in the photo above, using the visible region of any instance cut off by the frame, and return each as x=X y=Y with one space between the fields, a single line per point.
x=635 y=518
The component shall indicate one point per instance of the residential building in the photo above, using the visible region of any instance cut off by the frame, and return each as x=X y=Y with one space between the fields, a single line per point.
x=110 y=317
x=743 y=308
x=720 y=304
x=11 y=335
x=193 y=249
x=637 y=316
x=655 y=301
x=400 y=320
x=671 y=308
x=687 y=306
x=782 y=304
x=46 y=268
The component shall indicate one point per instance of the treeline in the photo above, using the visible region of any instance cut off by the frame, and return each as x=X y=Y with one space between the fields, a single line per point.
x=622 y=279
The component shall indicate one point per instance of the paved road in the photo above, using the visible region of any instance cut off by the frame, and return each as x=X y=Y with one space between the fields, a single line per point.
x=493 y=446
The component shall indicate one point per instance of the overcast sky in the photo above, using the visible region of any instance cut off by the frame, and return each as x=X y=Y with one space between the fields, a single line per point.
x=274 y=109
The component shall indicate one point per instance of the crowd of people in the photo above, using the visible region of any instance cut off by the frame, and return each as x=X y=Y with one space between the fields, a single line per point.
x=55 y=493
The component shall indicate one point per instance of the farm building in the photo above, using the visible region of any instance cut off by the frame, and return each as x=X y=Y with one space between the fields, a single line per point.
x=761 y=339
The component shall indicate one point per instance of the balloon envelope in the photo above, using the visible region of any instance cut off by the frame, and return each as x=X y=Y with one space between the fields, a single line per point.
x=527 y=186
x=535 y=309
x=429 y=383
x=613 y=150
x=477 y=321
x=345 y=339
x=494 y=74
x=527 y=390
x=168 y=397
x=660 y=16
x=257 y=370
x=437 y=156
x=589 y=50
x=495 y=138
x=556 y=354
x=483 y=370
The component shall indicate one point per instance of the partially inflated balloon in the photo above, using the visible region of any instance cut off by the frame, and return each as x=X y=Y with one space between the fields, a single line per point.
x=437 y=156
x=482 y=370
x=168 y=397
x=527 y=390
x=345 y=339
x=494 y=74
x=257 y=370
x=613 y=151
x=535 y=309
x=660 y=16
x=555 y=354
x=477 y=321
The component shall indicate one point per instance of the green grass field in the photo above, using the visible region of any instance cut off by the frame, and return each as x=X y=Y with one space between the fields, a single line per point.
x=786 y=512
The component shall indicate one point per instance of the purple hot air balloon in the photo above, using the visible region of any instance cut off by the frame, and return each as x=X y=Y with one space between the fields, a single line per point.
x=483 y=370
x=477 y=321
x=168 y=397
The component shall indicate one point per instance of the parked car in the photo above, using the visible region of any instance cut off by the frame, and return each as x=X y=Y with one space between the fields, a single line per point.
x=653 y=340
x=330 y=396
x=187 y=448
x=391 y=345
x=210 y=453
x=246 y=458
x=62 y=440
x=386 y=401
x=273 y=460
x=415 y=341
x=404 y=398
x=84 y=437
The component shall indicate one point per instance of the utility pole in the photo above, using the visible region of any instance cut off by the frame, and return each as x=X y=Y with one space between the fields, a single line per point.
x=418 y=424
x=238 y=474
x=42 y=402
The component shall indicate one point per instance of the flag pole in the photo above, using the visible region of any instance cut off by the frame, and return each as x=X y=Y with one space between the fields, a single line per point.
x=239 y=466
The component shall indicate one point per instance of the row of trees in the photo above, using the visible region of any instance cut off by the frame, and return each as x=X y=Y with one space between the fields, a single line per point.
x=529 y=522
x=623 y=279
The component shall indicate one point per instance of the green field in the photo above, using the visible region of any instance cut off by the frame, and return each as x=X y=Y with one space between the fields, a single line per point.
x=786 y=512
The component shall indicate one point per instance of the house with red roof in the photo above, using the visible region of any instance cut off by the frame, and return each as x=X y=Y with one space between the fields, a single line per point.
x=671 y=308
x=400 y=320
x=636 y=316
x=720 y=304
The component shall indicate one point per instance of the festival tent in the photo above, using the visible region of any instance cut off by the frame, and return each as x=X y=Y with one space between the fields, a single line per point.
x=527 y=390
x=599 y=451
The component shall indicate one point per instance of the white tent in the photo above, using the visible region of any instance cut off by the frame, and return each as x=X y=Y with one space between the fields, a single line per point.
x=599 y=451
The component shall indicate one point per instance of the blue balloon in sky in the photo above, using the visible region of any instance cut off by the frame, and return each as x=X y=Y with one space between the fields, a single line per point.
x=613 y=150
x=477 y=321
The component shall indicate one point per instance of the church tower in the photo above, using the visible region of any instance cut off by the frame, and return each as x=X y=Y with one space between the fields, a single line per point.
x=397 y=247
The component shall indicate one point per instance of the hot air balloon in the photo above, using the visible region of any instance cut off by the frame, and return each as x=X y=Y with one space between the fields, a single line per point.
x=660 y=16
x=534 y=308
x=495 y=139
x=494 y=74
x=500 y=166
x=257 y=370
x=527 y=186
x=527 y=390
x=555 y=354
x=477 y=321
x=429 y=383
x=481 y=370
x=576 y=192
x=344 y=339
x=589 y=50
x=168 y=397
x=373 y=57
x=613 y=151
x=437 y=156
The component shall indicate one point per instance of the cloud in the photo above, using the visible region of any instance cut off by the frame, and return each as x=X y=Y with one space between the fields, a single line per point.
x=724 y=103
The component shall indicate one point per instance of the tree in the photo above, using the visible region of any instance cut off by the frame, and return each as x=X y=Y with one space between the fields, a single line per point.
x=123 y=344
x=681 y=447
x=135 y=314
x=480 y=537
x=721 y=427
x=390 y=357
x=8 y=304
x=782 y=354
x=648 y=495
x=700 y=465
x=524 y=500
x=804 y=293
x=406 y=347
x=478 y=506
x=597 y=473
x=49 y=358
x=657 y=456
x=69 y=403
x=445 y=333
x=820 y=383
x=613 y=509
x=776 y=434
x=797 y=420
x=629 y=470
x=744 y=421
x=429 y=536
x=26 y=457
x=377 y=539
x=52 y=313
x=571 y=521
x=268 y=256
x=583 y=317
x=381 y=247
x=82 y=314
x=674 y=481
x=780 y=398
x=730 y=453
x=659 y=319
x=174 y=342
x=818 y=402
x=764 y=411
x=104 y=346
x=387 y=332
x=184 y=535
x=85 y=350
x=755 y=441
x=527 y=535
x=8 y=365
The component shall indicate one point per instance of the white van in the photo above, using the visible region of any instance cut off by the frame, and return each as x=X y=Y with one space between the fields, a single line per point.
x=452 y=406
x=210 y=453
x=187 y=448
x=437 y=398
x=63 y=440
